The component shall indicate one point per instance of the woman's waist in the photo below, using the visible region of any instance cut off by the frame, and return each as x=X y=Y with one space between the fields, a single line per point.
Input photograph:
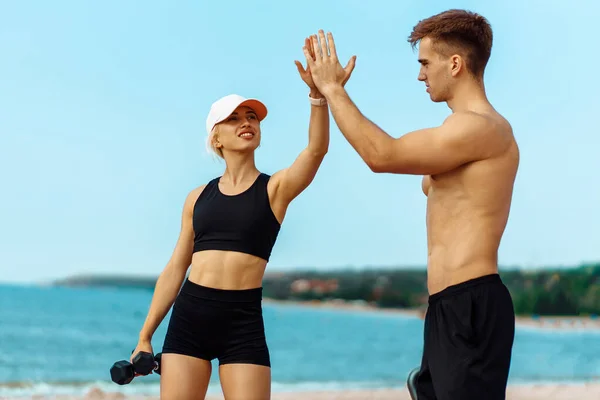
x=193 y=290
x=227 y=270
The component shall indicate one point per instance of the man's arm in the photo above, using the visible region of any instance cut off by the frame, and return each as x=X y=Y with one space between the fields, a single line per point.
x=462 y=138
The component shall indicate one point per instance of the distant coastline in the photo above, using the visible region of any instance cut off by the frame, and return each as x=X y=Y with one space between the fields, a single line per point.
x=110 y=281
x=544 y=292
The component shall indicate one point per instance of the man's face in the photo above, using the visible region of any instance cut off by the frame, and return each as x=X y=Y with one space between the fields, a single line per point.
x=435 y=71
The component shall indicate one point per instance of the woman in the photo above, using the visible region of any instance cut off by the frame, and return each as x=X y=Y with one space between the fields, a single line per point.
x=228 y=229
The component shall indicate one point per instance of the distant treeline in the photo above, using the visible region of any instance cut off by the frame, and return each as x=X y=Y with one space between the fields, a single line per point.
x=564 y=291
x=548 y=291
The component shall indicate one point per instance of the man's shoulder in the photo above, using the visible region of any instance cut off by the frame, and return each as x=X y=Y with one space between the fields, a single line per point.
x=482 y=120
x=487 y=126
x=488 y=134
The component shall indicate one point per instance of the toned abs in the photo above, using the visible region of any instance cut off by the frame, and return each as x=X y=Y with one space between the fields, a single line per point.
x=232 y=270
x=467 y=212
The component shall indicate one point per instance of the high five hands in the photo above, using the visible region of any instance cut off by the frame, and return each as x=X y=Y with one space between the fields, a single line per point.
x=305 y=73
x=323 y=69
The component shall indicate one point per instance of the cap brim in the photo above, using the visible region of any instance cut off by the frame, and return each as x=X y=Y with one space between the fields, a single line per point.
x=256 y=105
x=259 y=108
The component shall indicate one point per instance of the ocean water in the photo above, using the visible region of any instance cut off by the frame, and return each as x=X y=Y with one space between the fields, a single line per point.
x=64 y=340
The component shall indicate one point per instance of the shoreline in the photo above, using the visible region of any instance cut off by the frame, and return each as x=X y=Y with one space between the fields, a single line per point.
x=561 y=323
x=529 y=391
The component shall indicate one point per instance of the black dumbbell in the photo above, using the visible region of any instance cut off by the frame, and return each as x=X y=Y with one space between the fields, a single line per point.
x=157 y=361
x=122 y=372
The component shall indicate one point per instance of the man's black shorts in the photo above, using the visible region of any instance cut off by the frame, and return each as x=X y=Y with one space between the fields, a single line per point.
x=469 y=334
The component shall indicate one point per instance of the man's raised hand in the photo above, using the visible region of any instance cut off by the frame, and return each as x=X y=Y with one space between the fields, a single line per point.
x=322 y=61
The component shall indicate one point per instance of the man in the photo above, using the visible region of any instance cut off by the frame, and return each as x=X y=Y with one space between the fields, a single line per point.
x=469 y=164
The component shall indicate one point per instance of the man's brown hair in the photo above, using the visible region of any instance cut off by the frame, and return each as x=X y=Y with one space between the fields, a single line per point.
x=458 y=31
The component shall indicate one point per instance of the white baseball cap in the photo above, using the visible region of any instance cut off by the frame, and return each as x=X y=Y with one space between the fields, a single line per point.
x=222 y=108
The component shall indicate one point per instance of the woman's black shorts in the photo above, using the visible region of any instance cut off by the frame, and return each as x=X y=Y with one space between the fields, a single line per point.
x=211 y=323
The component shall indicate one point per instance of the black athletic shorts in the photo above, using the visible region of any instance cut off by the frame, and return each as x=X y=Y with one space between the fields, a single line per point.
x=211 y=323
x=469 y=334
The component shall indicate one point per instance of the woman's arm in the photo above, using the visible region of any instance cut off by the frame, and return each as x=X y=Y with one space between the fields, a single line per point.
x=291 y=181
x=171 y=278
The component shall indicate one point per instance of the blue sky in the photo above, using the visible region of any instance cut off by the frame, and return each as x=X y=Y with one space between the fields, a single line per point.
x=102 y=111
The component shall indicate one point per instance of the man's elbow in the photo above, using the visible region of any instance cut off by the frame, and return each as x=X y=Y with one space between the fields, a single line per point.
x=377 y=163
x=382 y=165
x=378 y=158
x=376 y=167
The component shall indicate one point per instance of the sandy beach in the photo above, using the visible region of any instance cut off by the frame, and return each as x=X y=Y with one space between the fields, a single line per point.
x=582 y=391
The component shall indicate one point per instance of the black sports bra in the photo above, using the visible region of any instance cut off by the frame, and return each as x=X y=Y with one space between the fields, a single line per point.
x=244 y=222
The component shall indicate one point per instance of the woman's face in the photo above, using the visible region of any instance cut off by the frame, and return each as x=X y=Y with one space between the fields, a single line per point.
x=239 y=132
